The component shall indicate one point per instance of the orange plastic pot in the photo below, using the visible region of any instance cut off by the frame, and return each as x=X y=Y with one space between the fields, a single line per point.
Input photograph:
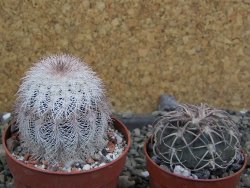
x=160 y=178
x=101 y=177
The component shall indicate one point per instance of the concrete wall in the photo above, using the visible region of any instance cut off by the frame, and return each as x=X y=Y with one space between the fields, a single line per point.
x=197 y=50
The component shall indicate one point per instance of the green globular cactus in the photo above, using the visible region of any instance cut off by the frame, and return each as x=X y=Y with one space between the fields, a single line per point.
x=62 y=111
x=196 y=137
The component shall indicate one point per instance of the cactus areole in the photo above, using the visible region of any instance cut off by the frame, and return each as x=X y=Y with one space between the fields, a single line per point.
x=62 y=111
x=196 y=137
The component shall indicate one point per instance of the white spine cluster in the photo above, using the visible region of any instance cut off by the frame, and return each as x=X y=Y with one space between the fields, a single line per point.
x=61 y=110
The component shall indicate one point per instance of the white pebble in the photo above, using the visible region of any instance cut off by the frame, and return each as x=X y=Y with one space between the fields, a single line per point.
x=119 y=151
x=102 y=164
x=110 y=157
x=137 y=132
x=145 y=174
x=20 y=158
x=65 y=169
x=181 y=171
x=94 y=164
x=118 y=138
x=42 y=167
x=86 y=167
x=194 y=176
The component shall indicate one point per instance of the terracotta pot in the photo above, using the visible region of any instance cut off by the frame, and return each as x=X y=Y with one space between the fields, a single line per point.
x=160 y=178
x=101 y=177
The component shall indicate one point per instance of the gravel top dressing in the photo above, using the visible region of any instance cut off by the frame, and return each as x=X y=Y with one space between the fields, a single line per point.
x=135 y=174
x=114 y=148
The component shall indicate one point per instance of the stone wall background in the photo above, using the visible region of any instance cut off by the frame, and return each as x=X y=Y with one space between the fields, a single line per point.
x=198 y=51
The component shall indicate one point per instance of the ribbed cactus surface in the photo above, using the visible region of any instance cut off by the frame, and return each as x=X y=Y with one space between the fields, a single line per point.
x=61 y=108
x=196 y=137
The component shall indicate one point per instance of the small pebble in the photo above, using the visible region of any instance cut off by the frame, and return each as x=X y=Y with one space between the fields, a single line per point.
x=20 y=158
x=40 y=166
x=194 y=176
x=202 y=174
x=86 y=167
x=119 y=139
x=78 y=165
x=145 y=174
x=156 y=160
x=110 y=157
x=89 y=160
x=104 y=152
x=181 y=171
x=102 y=164
x=137 y=132
x=97 y=156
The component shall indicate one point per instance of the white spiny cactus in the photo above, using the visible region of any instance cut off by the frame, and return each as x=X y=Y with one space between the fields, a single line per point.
x=62 y=112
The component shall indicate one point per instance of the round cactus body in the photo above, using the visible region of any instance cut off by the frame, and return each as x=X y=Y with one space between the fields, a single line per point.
x=196 y=137
x=62 y=112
